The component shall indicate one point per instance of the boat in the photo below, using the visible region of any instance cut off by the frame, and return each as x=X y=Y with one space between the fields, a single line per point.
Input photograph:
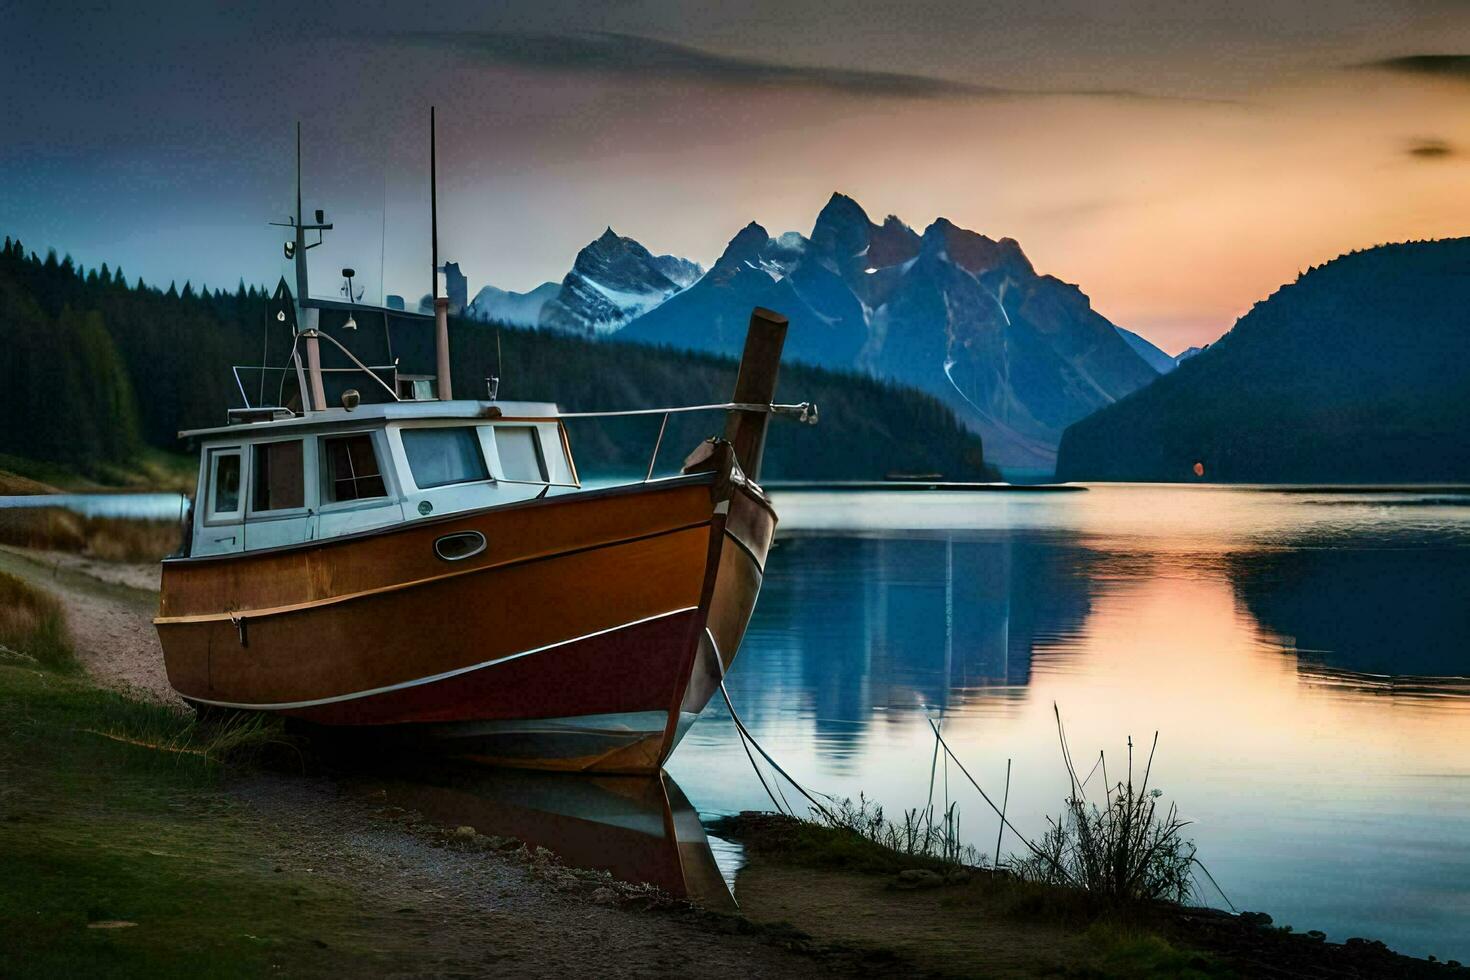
x=372 y=553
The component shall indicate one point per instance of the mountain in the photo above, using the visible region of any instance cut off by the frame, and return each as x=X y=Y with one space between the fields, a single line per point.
x=1359 y=371
x=613 y=281
x=517 y=309
x=1017 y=355
x=1156 y=358
x=1186 y=354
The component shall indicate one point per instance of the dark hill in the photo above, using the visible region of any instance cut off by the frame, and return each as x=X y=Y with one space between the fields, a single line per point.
x=1358 y=372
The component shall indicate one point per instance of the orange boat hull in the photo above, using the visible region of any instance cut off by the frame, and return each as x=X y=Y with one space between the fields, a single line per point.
x=587 y=635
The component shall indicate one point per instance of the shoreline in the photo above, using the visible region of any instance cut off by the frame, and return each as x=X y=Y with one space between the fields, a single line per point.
x=970 y=921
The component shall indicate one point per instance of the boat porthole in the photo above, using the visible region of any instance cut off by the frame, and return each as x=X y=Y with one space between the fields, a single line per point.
x=425 y=507
x=460 y=545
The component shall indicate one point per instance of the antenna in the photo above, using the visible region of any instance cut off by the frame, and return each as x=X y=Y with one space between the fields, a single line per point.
x=433 y=204
x=441 y=305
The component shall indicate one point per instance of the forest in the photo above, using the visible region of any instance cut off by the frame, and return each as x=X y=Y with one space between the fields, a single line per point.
x=98 y=368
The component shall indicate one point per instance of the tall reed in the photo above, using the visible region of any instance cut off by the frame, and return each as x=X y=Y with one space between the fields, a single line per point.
x=32 y=626
x=120 y=539
x=1121 y=849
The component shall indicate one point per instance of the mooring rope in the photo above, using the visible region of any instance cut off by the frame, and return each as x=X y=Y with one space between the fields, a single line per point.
x=745 y=734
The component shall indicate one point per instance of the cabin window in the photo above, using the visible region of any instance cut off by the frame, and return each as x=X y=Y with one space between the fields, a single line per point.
x=224 y=483
x=520 y=453
x=441 y=456
x=279 y=476
x=352 y=471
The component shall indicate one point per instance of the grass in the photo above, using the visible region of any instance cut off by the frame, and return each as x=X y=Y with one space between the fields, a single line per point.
x=116 y=539
x=113 y=811
x=1124 y=850
x=829 y=846
x=1126 y=950
x=32 y=627
x=122 y=856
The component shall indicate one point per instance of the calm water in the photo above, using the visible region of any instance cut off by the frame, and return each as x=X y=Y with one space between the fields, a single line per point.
x=152 y=506
x=1301 y=654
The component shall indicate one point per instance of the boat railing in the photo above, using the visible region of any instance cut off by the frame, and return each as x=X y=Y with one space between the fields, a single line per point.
x=804 y=412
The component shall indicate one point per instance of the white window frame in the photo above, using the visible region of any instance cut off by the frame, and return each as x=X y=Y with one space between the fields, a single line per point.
x=485 y=456
x=381 y=454
x=307 y=491
x=214 y=454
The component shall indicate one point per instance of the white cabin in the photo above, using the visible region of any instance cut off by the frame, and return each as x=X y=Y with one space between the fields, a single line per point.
x=283 y=481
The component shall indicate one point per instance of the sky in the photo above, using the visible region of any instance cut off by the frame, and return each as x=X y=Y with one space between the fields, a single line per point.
x=1177 y=160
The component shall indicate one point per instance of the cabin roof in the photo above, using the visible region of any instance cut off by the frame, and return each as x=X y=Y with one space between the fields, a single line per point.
x=384 y=412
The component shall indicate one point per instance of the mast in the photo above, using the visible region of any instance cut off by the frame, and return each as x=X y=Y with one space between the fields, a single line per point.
x=313 y=395
x=441 y=303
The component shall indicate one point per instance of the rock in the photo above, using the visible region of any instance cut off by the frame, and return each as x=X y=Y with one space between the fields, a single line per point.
x=464 y=831
x=1259 y=919
x=915 y=878
x=605 y=896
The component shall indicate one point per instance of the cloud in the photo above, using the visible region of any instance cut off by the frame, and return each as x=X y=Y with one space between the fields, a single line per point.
x=1451 y=66
x=1430 y=148
x=634 y=56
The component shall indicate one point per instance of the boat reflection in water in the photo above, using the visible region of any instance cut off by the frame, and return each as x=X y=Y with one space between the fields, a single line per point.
x=639 y=829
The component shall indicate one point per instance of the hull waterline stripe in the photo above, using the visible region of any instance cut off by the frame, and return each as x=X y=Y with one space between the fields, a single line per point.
x=419 y=681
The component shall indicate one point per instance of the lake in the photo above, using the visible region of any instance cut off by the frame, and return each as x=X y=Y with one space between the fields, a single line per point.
x=1301 y=654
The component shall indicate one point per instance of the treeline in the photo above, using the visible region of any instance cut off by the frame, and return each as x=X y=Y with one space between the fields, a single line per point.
x=869 y=428
x=96 y=368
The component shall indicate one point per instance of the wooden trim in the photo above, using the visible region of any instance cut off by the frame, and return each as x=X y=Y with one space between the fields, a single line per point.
x=237 y=615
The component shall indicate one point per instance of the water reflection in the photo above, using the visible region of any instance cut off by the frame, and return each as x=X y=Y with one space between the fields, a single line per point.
x=1282 y=642
x=856 y=626
x=1385 y=617
x=637 y=829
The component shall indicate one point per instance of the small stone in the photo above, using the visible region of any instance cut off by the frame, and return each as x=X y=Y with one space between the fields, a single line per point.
x=605 y=896
x=464 y=831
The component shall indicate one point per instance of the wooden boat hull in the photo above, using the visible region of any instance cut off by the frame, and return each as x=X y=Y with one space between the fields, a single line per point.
x=587 y=635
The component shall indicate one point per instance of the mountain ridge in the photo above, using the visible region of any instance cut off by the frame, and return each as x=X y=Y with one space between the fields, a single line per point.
x=1389 y=402
x=612 y=282
x=1018 y=355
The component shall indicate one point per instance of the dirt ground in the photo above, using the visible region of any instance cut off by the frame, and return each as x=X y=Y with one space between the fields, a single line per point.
x=930 y=928
x=109 y=611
